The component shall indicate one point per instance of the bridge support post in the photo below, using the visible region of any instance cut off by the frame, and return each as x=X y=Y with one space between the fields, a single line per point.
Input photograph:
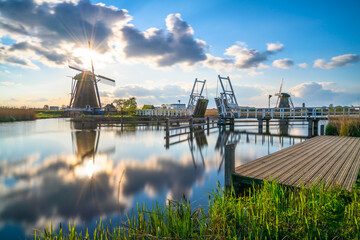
x=310 y=127
x=167 y=133
x=191 y=123
x=267 y=126
x=316 y=127
x=260 y=124
x=232 y=124
x=208 y=125
x=229 y=165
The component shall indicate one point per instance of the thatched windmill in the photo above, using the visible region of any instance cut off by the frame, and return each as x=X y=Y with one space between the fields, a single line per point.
x=84 y=88
x=284 y=99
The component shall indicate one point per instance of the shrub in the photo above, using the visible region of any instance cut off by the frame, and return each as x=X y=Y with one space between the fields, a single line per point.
x=331 y=130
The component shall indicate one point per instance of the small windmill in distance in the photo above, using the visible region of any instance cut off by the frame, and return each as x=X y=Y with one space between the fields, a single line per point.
x=284 y=99
x=84 y=88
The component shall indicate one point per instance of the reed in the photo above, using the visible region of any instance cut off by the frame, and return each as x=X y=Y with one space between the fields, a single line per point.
x=271 y=211
x=343 y=126
x=11 y=114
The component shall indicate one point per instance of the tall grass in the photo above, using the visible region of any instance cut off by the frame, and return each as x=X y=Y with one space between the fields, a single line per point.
x=343 y=126
x=268 y=212
x=10 y=114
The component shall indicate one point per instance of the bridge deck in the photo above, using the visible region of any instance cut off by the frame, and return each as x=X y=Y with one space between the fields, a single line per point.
x=334 y=160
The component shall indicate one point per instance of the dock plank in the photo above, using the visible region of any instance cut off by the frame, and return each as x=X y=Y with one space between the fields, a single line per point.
x=329 y=159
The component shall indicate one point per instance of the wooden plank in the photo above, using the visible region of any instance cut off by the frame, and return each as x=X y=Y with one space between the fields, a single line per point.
x=324 y=158
x=287 y=167
x=326 y=164
x=347 y=166
x=308 y=166
x=280 y=155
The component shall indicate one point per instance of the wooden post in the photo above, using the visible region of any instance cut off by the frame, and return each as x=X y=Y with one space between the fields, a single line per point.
x=310 y=127
x=260 y=121
x=208 y=125
x=232 y=124
x=167 y=132
x=122 y=119
x=316 y=127
x=267 y=126
x=191 y=127
x=229 y=164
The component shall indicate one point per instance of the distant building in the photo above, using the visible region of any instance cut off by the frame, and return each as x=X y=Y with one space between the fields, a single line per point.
x=110 y=108
x=331 y=105
x=56 y=108
x=174 y=106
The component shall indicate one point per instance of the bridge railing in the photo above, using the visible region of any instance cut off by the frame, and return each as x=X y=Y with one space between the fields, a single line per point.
x=165 y=112
x=297 y=112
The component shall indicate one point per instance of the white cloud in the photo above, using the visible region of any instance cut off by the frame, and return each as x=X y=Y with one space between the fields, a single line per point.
x=254 y=73
x=275 y=46
x=176 y=45
x=303 y=65
x=7 y=83
x=285 y=63
x=338 y=61
x=323 y=94
x=243 y=58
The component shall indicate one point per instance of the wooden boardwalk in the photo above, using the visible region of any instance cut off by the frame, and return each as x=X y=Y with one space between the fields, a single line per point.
x=334 y=160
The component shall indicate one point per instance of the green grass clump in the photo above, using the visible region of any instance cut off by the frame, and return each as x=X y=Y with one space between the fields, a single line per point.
x=271 y=211
x=49 y=113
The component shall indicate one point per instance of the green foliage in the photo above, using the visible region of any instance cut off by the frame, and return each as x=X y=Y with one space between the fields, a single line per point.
x=127 y=105
x=49 y=113
x=331 y=130
x=271 y=211
x=349 y=126
x=148 y=107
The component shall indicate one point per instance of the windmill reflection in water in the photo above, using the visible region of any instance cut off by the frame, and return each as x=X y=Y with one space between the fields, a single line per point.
x=85 y=141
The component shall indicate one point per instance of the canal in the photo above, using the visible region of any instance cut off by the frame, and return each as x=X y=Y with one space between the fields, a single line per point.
x=55 y=171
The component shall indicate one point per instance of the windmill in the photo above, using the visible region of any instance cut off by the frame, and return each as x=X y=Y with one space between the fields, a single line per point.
x=84 y=88
x=284 y=99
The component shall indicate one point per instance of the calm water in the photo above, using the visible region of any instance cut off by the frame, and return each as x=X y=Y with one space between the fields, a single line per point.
x=52 y=170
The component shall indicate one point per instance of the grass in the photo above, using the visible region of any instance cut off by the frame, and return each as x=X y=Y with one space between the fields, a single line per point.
x=343 y=126
x=271 y=211
x=49 y=113
x=10 y=114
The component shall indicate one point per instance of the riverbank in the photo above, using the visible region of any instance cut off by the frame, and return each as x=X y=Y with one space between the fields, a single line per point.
x=271 y=211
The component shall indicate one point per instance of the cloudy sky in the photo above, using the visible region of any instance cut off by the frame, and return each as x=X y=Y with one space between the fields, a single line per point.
x=155 y=49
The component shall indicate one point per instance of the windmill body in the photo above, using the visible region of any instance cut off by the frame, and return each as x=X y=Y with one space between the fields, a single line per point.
x=84 y=90
x=284 y=99
x=85 y=94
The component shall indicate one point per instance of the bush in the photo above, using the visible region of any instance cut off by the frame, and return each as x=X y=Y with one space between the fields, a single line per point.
x=331 y=130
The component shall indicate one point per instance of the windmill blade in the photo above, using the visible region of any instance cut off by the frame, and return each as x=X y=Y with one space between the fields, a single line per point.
x=277 y=101
x=77 y=68
x=282 y=80
x=292 y=104
x=105 y=80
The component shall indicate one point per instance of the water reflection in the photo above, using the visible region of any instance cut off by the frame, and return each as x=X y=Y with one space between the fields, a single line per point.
x=76 y=172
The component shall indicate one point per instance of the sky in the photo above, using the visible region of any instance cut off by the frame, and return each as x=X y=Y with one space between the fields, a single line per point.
x=155 y=49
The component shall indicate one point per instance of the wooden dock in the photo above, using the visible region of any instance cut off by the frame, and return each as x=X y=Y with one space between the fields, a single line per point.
x=333 y=160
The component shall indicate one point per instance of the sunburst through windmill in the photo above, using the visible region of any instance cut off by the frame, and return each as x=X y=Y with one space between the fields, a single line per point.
x=84 y=88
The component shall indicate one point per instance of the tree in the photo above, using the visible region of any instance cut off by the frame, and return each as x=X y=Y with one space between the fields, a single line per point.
x=46 y=107
x=127 y=105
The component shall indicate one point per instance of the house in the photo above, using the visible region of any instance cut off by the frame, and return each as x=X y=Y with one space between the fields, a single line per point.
x=174 y=106
x=110 y=108
x=55 y=108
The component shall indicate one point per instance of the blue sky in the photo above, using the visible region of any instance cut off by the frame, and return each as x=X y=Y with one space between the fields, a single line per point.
x=155 y=49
